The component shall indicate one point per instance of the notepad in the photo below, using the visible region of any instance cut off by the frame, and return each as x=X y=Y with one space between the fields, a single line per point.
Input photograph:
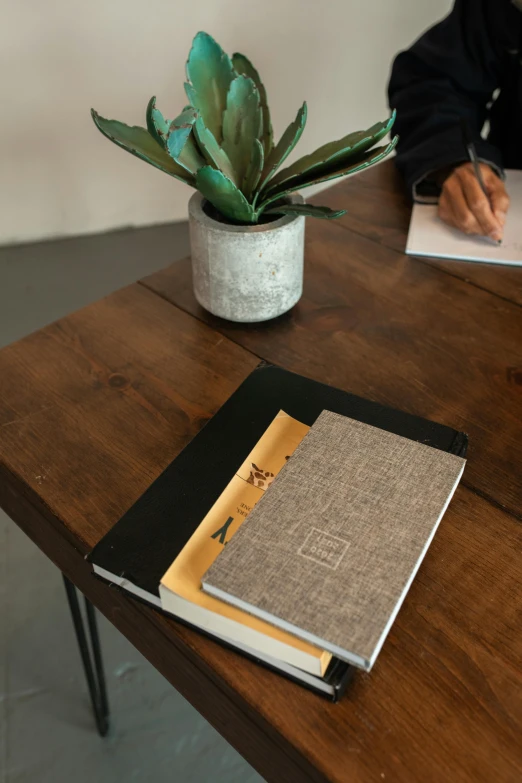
x=331 y=549
x=430 y=236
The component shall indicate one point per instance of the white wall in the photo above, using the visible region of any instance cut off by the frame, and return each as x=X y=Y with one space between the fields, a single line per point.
x=59 y=176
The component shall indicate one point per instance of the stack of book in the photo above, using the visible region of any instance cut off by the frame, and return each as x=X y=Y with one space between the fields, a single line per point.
x=291 y=527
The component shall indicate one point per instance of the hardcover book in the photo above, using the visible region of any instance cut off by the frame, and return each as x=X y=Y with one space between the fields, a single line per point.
x=330 y=551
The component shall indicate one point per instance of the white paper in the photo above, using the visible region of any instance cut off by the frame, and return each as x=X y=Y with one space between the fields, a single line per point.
x=429 y=236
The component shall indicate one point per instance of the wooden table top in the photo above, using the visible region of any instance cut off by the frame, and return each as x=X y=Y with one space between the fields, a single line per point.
x=94 y=406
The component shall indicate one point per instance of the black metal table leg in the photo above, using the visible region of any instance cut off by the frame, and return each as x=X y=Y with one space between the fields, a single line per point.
x=94 y=675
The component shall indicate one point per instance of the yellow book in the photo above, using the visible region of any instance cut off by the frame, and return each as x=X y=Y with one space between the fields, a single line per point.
x=180 y=587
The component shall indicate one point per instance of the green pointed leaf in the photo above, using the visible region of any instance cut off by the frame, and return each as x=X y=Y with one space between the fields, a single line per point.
x=179 y=130
x=157 y=125
x=284 y=146
x=254 y=170
x=242 y=65
x=335 y=153
x=190 y=92
x=210 y=71
x=214 y=154
x=223 y=194
x=242 y=123
x=364 y=161
x=308 y=210
x=181 y=144
x=139 y=142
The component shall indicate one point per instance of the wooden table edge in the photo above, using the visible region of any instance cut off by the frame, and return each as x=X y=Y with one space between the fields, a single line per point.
x=229 y=713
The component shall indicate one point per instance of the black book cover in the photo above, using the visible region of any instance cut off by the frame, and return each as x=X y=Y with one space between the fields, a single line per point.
x=146 y=540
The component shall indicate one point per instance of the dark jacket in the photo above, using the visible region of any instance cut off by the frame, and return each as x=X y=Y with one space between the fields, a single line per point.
x=452 y=71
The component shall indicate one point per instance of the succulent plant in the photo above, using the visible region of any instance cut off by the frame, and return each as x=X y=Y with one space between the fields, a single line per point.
x=222 y=142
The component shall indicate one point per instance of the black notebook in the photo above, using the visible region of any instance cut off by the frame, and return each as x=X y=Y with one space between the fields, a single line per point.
x=139 y=549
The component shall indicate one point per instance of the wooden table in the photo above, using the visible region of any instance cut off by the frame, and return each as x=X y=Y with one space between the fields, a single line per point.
x=93 y=407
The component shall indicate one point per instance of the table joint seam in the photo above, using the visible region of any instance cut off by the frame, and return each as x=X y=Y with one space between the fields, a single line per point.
x=426 y=262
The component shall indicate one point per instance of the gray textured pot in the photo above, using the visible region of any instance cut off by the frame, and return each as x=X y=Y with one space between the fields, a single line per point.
x=246 y=273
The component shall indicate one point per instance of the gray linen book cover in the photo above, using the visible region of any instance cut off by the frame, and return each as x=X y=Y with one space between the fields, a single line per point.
x=331 y=549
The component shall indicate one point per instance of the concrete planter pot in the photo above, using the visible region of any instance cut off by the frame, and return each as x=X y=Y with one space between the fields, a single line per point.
x=246 y=273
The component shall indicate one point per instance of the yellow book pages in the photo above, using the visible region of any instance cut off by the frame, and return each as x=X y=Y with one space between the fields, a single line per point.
x=255 y=475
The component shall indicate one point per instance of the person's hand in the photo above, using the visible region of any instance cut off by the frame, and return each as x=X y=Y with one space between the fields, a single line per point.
x=463 y=204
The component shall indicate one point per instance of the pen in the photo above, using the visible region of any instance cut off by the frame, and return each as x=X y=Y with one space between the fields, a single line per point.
x=472 y=153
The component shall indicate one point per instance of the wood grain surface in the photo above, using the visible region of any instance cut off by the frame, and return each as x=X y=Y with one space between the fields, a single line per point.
x=377 y=323
x=93 y=407
x=379 y=208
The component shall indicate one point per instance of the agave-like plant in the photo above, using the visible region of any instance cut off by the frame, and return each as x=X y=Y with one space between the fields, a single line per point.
x=222 y=142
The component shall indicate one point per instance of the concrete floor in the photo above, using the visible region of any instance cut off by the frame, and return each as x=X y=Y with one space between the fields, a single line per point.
x=47 y=733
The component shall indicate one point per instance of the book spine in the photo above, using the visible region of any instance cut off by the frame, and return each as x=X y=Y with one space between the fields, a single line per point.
x=459 y=446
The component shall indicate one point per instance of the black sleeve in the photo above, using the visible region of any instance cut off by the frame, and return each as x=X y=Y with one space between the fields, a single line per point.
x=449 y=73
